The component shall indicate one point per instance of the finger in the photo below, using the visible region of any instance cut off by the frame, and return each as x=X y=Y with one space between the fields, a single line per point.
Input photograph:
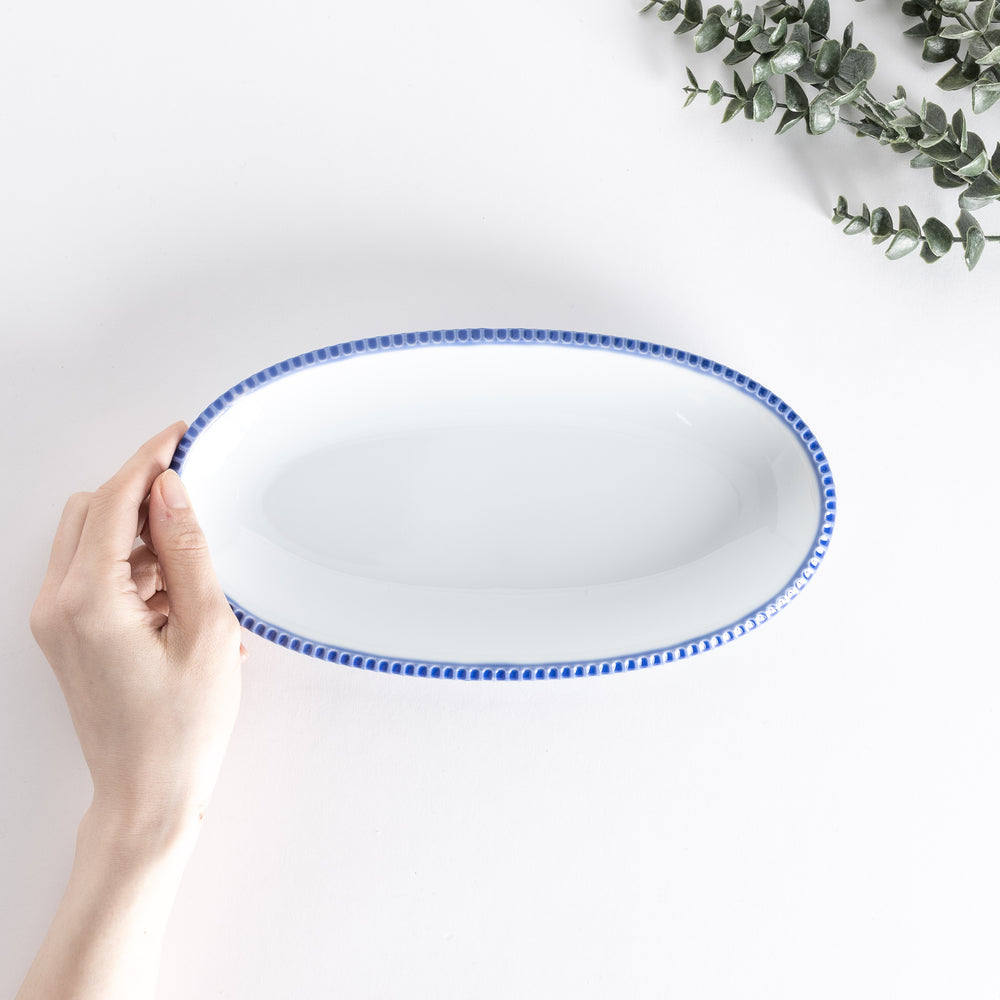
x=67 y=537
x=113 y=519
x=196 y=597
x=160 y=603
x=146 y=573
x=142 y=529
x=146 y=537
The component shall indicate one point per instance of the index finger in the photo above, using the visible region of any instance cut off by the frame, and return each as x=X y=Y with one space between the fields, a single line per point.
x=112 y=520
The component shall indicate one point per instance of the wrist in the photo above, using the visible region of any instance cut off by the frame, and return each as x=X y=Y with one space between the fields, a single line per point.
x=136 y=839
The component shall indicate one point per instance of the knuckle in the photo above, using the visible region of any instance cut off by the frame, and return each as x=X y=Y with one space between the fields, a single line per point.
x=190 y=539
x=74 y=599
x=39 y=620
x=79 y=500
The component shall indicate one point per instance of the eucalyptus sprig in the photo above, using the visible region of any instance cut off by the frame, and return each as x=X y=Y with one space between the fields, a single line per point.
x=826 y=81
x=965 y=34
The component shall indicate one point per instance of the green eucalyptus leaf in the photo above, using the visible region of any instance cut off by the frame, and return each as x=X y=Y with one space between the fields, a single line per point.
x=763 y=102
x=789 y=120
x=991 y=58
x=945 y=178
x=738 y=54
x=984 y=14
x=927 y=254
x=669 y=10
x=693 y=11
x=760 y=70
x=733 y=108
x=974 y=145
x=788 y=58
x=954 y=79
x=762 y=43
x=869 y=129
x=691 y=77
x=738 y=85
x=799 y=32
x=940 y=152
x=685 y=26
x=850 y=96
x=938 y=49
x=954 y=7
x=964 y=222
x=817 y=16
x=749 y=34
x=715 y=92
x=692 y=94
x=904 y=242
x=978 y=46
x=828 y=59
x=856 y=225
x=907 y=220
x=974 y=168
x=710 y=34
x=958 y=31
x=995 y=160
x=936 y=118
x=806 y=74
x=983 y=190
x=777 y=37
x=921 y=160
x=857 y=65
x=795 y=96
x=881 y=222
x=984 y=96
x=822 y=117
x=969 y=68
x=975 y=243
x=960 y=129
x=848 y=36
x=938 y=236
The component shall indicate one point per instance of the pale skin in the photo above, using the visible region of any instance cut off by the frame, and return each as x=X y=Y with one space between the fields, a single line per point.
x=147 y=652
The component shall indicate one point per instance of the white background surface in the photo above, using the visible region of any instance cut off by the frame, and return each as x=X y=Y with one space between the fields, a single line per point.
x=191 y=193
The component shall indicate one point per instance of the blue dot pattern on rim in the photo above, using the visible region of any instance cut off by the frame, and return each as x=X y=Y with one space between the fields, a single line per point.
x=534 y=671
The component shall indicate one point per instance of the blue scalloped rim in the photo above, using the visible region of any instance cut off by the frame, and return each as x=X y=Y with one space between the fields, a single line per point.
x=534 y=671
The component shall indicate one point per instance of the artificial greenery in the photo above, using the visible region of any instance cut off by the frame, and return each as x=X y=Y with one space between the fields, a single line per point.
x=825 y=80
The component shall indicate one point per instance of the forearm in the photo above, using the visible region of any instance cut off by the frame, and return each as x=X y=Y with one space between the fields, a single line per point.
x=107 y=934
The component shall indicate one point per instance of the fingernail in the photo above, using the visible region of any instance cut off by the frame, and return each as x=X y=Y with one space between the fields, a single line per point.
x=174 y=492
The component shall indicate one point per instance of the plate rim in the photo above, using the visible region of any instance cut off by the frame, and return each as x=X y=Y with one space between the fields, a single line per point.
x=471 y=336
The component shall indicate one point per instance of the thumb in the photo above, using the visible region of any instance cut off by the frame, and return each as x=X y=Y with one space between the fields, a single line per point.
x=193 y=589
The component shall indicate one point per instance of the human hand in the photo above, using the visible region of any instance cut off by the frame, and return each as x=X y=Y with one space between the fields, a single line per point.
x=144 y=645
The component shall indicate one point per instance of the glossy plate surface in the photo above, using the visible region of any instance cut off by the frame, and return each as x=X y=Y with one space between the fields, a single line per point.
x=501 y=504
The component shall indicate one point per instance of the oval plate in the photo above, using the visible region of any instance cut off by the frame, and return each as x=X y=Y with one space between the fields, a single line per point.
x=506 y=504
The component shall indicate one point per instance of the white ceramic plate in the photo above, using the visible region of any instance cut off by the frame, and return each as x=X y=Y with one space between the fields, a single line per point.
x=501 y=504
